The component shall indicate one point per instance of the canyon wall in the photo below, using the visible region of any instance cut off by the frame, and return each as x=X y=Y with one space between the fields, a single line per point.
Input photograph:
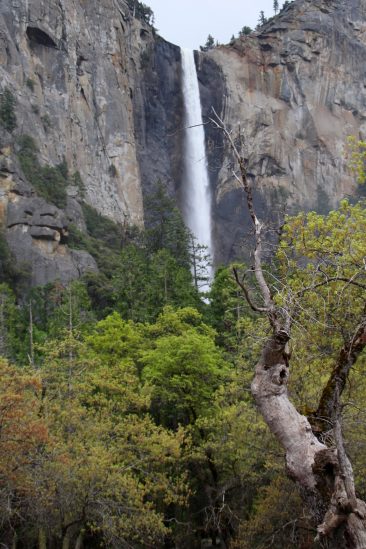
x=297 y=89
x=95 y=87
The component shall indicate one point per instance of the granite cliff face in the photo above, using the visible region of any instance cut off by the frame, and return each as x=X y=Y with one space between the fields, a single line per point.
x=297 y=89
x=96 y=87
x=73 y=69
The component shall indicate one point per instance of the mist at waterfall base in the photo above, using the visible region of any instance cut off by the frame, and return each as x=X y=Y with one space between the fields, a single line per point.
x=196 y=185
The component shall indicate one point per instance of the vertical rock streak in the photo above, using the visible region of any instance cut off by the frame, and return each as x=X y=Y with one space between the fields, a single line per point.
x=196 y=185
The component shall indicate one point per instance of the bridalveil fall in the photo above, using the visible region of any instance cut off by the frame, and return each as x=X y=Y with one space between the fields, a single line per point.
x=196 y=185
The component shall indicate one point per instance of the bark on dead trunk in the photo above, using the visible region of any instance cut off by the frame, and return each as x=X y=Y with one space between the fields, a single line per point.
x=292 y=429
x=323 y=474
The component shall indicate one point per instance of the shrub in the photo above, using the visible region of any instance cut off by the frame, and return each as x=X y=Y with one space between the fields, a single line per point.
x=30 y=84
x=15 y=274
x=8 y=118
x=50 y=182
x=141 y=11
x=102 y=228
x=46 y=121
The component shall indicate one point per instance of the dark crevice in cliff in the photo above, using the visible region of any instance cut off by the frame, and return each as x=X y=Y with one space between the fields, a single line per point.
x=212 y=100
x=40 y=37
x=159 y=117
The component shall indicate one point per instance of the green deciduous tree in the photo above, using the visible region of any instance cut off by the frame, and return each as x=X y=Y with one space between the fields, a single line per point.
x=329 y=263
x=184 y=369
x=22 y=433
x=356 y=153
x=105 y=471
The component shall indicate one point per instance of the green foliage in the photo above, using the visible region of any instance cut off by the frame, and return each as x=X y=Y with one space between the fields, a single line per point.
x=102 y=228
x=227 y=453
x=165 y=225
x=262 y=19
x=100 y=285
x=245 y=31
x=277 y=520
x=184 y=369
x=144 y=283
x=318 y=256
x=50 y=182
x=12 y=272
x=144 y=420
x=227 y=309
x=30 y=84
x=8 y=118
x=356 y=154
x=115 y=339
x=200 y=261
x=141 y=272
x=286 y=4
x=46 y=121
x=94 y=458
x=10 y=325
x=7 y=269
x=141 y=11
x=210 y=43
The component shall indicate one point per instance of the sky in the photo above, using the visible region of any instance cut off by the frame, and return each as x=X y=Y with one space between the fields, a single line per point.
x=187 y=23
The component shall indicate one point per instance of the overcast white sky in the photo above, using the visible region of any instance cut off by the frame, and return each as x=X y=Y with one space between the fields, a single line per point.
x=187 y=23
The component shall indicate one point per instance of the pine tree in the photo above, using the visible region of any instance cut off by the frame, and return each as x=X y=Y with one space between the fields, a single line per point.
x=210 y=43
x=200 y=262
x=245 y=31
x=262 y=19
x=275 y=6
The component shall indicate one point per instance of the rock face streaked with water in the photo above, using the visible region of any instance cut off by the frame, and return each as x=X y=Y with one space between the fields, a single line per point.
x=297 y=88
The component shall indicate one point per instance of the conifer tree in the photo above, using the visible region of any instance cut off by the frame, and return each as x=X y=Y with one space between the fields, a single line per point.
x=262 y=19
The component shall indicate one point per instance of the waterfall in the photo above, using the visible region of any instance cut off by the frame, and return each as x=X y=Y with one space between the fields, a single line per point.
x=196 y=186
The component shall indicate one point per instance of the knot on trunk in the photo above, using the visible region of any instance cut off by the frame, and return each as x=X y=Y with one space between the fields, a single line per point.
x=270 y=381
x=326 y=469
x=282 y=337
x=272 y=371
x=276 y=350
x=279 y=375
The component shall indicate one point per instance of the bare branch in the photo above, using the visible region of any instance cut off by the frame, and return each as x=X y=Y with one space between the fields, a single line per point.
x=337 y=381
x=270 y=308
x=247 y=295
x=348 y=281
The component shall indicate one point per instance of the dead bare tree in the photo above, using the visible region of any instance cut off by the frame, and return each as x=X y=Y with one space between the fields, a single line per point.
x=324 y=474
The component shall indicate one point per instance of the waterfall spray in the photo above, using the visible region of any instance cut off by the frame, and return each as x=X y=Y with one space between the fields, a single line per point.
x=196 y=185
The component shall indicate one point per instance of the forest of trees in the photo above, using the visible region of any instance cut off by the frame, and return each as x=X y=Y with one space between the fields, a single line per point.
x=137 y=412
x=126 y=414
